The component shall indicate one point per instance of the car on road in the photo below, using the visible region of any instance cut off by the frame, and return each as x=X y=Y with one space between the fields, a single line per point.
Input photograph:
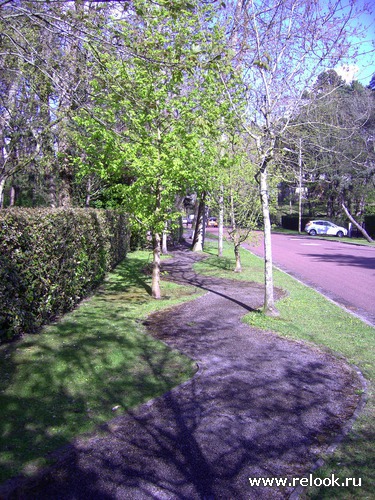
x=212 y=222
x=325 y=227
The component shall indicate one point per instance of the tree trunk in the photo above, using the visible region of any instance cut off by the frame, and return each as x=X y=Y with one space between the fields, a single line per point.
x=156 y=267
x=88 y=192
x=221 y=223
x=198 y=239
x=14 y=191
x=358 y=226
x=164 y=249
x=269 y=302
x=51 y=186
x=180 y=229
x=2 y=185
x=238 y=268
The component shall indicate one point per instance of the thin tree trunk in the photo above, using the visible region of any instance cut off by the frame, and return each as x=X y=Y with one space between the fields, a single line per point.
x=238 y=268
x=2 y=185
x=358 y=226
x=164 y=249
x=13 y=196
x=269 y=302
x=198 y=239
x=221 y=223
x=180 y=229
x=235 y=236
x=155 y=287
x=88 y=193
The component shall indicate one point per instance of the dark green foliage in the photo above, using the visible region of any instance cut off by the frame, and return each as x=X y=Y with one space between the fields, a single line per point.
x=51 y=259
x=291 y=222
x=370 y=225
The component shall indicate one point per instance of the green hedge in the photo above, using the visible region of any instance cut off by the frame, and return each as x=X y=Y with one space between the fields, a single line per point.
x=51 y=259
x=370 y=225
x=291 y=222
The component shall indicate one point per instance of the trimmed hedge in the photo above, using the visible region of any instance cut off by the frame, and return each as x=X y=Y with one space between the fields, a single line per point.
x=370 y=225
x=52 y=258
x=291 y=222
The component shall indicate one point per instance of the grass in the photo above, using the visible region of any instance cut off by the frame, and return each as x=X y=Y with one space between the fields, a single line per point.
x=306 y=315
x=87 y=368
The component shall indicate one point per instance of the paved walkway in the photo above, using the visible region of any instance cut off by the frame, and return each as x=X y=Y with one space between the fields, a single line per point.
x=258 y=406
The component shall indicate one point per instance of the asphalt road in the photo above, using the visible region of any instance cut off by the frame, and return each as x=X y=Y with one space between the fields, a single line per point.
x=343 y=272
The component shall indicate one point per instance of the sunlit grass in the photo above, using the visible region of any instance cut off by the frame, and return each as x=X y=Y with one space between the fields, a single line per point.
x=306 y=315
x=87 y=368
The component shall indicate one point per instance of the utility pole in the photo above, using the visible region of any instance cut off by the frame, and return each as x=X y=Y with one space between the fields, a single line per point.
x=300 y=187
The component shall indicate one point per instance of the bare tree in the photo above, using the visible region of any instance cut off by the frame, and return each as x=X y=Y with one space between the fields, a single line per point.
x=282 y=46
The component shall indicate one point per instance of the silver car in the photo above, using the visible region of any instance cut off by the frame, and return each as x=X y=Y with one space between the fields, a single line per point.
x=315 y=227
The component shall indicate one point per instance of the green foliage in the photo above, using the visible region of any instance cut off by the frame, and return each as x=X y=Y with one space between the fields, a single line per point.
x=51 y=259
x=335 y=132
x=152 y=133
x=291 y=222
x=370 y=224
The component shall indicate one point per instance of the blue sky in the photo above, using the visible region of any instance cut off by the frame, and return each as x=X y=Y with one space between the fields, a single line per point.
x=363 y=68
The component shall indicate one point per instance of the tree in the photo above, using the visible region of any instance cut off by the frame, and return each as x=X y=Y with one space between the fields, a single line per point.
x=337 y=134
x=281 y=48
x=148 y=132
x=45 y=54
x=244 y=207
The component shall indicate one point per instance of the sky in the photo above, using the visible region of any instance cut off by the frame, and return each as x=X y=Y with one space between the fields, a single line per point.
x=364 y=67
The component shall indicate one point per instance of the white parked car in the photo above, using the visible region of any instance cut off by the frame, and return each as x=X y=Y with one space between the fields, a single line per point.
x=315 y=227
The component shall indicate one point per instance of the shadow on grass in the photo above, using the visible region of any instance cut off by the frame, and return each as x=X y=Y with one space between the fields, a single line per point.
x=128 y=276
x=81 y=372
x=258 y=409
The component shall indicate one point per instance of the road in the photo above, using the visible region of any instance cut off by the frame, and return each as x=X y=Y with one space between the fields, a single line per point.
x=345 y=273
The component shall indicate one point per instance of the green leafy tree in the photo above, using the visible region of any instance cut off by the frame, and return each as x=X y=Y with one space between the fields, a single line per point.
x=337 y=133
x=280 y=48
x=148 y=132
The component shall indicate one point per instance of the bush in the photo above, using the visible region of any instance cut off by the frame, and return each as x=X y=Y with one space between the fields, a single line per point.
x=51 y=259
x=370 y=225
x=291 y=222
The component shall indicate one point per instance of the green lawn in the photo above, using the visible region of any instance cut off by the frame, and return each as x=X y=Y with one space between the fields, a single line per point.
x=306 y=315
x=87 y=368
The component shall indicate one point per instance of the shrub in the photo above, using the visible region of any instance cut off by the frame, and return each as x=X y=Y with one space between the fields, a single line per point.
x=51 y=259
x=291 y=222
x=370 y=224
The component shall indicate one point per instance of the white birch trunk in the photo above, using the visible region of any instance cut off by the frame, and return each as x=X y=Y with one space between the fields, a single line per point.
x=269 y=302
x=221 y=223
x=2 y=185
x=155 y=287
x=164 y=246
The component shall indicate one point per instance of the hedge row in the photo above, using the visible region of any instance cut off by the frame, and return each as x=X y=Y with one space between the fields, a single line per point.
x=370 y=224
x=291 y=222
x=51 y=259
